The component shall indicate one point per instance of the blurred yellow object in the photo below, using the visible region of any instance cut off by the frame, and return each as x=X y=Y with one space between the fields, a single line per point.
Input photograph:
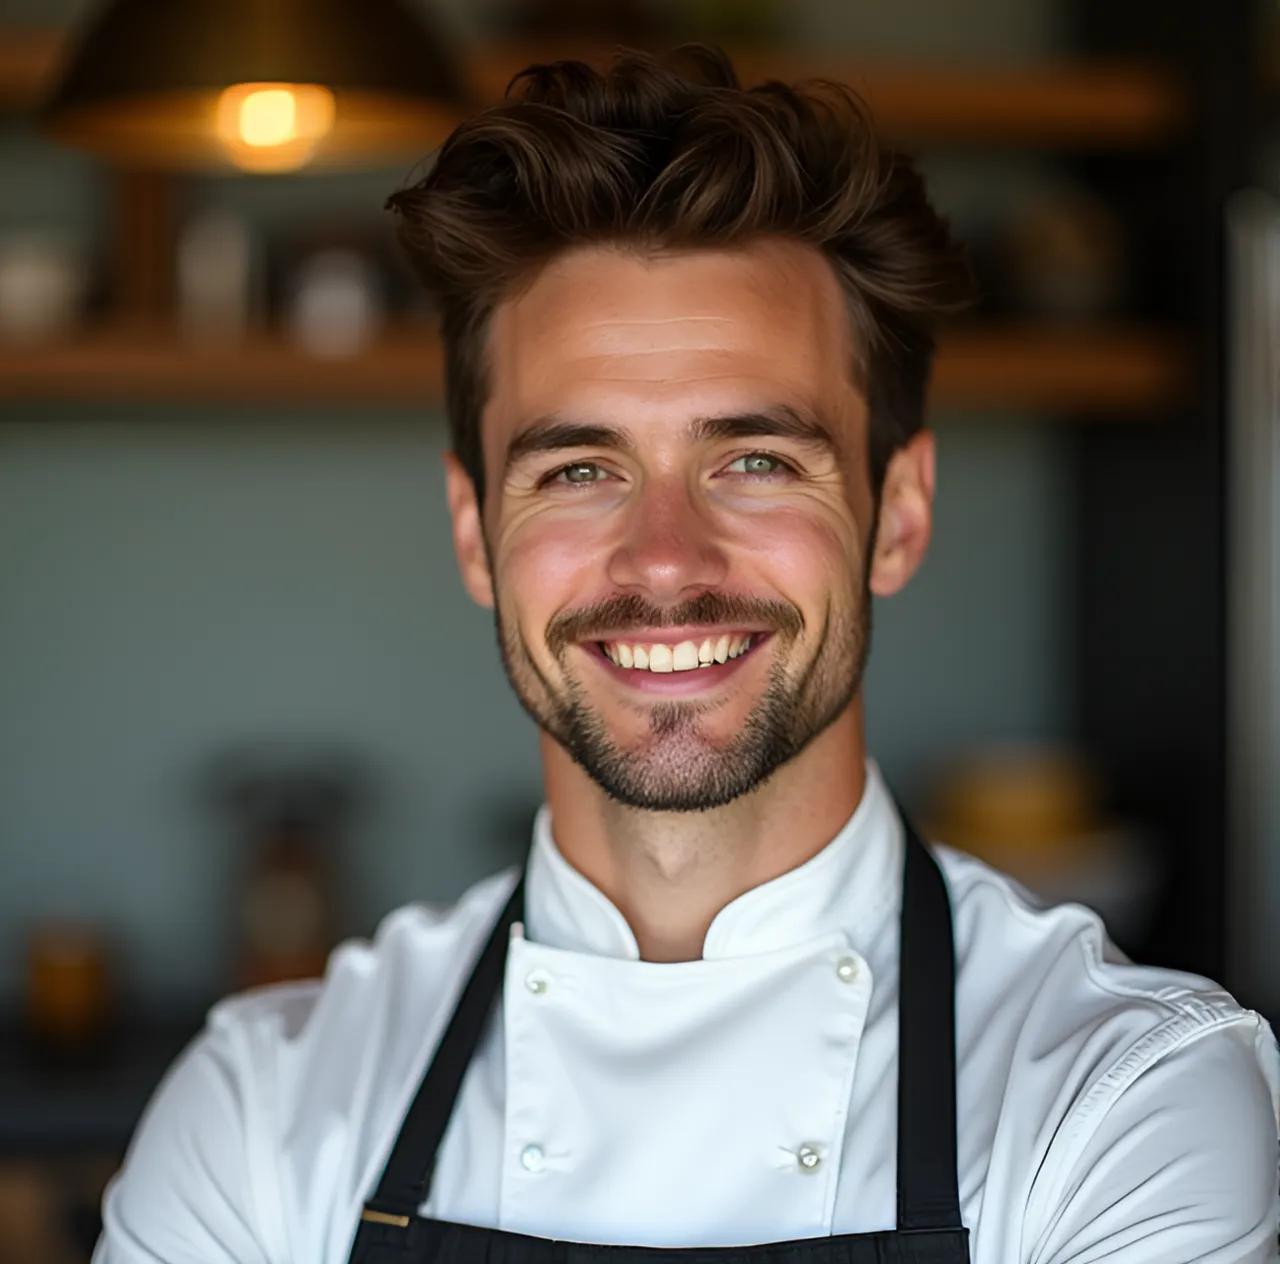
x=1029 y=810
x=273 y=126
x=1028 y=797
x=1034 y=812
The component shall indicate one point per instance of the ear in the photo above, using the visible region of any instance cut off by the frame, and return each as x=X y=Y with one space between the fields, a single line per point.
x=468 y=532
x=906 y=515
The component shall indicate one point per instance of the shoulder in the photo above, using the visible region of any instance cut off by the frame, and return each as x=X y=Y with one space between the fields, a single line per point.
x=1170 y=1154
x=1056 y=976
x=1127 y=1090
x=284 y=1074
x=1019 y=947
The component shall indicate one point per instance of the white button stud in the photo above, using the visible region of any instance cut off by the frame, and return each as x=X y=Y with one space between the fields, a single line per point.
x=847 y=969
x=537 y=982
x=532 y=1158
x=807 y=1158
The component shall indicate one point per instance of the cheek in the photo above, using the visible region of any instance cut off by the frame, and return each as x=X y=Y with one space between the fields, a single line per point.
x=804 y=549
x=544 y=567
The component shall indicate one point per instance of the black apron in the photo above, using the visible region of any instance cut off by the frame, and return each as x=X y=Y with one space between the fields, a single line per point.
x=929 y=1229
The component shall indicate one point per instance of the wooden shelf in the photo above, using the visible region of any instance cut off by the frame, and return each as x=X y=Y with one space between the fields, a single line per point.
x=1093 y=104
x=1090 y=104
x=141 y=364
x=1104 y=372
x=1094 y=370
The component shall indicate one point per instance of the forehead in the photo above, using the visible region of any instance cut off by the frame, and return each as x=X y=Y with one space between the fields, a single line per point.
x=606 y=328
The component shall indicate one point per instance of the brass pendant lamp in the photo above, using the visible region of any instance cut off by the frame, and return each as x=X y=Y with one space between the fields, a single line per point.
x=257 y=85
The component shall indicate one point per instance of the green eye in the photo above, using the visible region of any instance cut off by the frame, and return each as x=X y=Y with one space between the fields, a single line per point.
x=580 y=472
x=759 y=464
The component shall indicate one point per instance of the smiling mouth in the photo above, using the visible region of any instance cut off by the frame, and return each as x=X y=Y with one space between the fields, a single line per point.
x=641 y=662
x=680 y=656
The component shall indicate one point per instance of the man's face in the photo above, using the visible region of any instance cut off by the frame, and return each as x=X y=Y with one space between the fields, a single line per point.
x=658 y=476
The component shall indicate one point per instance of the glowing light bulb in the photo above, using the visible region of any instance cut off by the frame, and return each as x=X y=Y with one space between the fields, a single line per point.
x=273 y=126
x=268 y=116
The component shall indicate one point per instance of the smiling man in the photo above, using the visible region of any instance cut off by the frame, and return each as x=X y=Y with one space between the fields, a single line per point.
x=732 y=1006
x=680 y=498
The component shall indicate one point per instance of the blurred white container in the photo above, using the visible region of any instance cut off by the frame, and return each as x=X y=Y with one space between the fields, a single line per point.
x=215 y=277
x=43 y=280
x=336 y=303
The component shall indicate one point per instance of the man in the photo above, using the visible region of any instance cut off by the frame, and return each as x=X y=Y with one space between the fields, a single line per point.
x=732 y=1007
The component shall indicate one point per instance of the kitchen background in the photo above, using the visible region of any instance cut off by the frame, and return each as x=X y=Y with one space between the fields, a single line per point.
x=246 y=707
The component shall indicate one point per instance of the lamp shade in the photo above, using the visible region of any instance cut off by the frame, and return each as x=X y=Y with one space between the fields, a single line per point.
x=261 y=85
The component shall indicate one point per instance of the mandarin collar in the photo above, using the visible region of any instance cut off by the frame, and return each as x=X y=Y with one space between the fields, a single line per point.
x=848 y=885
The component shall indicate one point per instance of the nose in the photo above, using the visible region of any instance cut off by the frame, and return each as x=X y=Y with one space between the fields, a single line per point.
x=669 y=546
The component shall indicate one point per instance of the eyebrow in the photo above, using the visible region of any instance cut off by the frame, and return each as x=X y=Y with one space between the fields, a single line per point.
x=550 y=433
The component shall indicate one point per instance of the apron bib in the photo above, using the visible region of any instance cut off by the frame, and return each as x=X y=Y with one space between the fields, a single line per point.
x=929 y=1228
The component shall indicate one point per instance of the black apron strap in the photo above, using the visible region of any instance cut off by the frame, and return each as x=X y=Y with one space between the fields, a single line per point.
x=407 y=1175
x=928 y=1193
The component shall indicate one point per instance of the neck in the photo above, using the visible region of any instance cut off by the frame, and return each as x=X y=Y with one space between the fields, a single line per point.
x=670 y=873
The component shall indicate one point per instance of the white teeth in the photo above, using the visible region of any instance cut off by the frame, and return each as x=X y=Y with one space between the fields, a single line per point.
x=660 y=658
x=686 y=656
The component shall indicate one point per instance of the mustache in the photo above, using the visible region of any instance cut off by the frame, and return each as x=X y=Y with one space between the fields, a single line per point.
x=618 y=614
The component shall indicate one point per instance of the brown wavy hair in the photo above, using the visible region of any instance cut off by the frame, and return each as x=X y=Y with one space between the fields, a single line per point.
x=668 y=153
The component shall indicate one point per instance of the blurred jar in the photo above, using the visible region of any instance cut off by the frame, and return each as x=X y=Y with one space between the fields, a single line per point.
x=43 y=283
x=336 y=304
x=70 y=994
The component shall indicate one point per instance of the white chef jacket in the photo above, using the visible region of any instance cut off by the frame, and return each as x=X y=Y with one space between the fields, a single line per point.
x=1106 y=1110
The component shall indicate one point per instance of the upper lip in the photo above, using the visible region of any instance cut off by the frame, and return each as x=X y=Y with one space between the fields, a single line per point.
x=673 y=636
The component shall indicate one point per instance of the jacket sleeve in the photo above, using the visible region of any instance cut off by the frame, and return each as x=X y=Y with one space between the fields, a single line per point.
x=1179 y=1165
x=190 y=1188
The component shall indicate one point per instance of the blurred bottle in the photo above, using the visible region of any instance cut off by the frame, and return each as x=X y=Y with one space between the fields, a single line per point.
x=287 y=916
x=70 y=997
x=290 y=808
x=215 y=277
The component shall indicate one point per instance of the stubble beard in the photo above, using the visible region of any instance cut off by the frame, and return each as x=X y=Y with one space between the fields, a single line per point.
x=676 y=768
